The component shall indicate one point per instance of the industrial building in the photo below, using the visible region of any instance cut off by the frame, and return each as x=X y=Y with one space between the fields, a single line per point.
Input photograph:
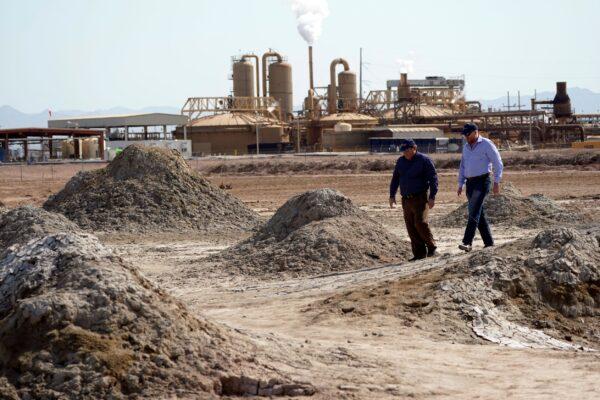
x=150 y=129
x=50 y=144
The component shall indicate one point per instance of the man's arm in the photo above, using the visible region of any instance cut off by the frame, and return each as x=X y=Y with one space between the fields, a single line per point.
x=461 y=174
x=494 y=157
x=432 y=178
x=394 y=184
x=496 y=160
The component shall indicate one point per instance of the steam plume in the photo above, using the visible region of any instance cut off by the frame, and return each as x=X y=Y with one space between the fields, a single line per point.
x=407 y=65
x=310 y=15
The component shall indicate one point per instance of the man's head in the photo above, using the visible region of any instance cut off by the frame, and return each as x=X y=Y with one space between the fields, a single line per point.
x=409 y=148
x=471 y=132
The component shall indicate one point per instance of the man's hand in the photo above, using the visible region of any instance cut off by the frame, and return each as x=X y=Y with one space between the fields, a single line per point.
x=431 y=203
x=392 y=202
x=459 y=191
x=496 y=188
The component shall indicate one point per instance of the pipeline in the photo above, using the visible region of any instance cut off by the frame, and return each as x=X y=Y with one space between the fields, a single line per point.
x=257 y=73
x=332 y=101
x=264 y=68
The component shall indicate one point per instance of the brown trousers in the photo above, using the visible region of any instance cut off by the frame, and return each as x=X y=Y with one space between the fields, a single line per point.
x=416 y=212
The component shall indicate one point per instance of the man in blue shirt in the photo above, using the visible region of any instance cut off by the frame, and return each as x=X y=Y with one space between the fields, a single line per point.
x=479 y=157
x=414 y=174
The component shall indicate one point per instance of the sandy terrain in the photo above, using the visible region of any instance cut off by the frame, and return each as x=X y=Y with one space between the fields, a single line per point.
x=374 y=356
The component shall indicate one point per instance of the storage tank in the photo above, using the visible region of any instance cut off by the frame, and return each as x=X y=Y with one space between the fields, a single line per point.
x=89 y=149
x=561 y=104
x=280 y=87
x=67 y=148
x=243 y=78
x=347 y=90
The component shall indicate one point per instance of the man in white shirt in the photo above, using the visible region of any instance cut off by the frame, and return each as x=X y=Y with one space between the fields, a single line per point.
x=479 y=158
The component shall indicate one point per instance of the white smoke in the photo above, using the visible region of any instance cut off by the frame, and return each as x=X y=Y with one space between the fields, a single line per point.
x=407 y=65
x=310 y=15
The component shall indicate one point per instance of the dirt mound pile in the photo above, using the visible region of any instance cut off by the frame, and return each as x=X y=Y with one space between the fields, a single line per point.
x=510 y=207
x=77 y=322
x=561 y=270
x=542 y=292
x=149 y=189
x=316 y=232
x=22 y=224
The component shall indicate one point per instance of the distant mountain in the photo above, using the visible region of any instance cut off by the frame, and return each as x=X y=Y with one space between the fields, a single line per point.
x=582 y=100
x=13 y=118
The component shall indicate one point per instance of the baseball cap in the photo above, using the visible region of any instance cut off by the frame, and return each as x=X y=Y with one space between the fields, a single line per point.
x=468 y=128
x=407 y=144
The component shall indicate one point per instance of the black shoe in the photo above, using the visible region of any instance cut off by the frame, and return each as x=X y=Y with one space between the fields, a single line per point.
x=488 y=245
x=431 y=252
x=415 y=258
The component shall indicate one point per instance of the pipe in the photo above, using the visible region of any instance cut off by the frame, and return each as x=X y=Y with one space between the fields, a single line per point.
x=310 y=68
x=264 y=68
x=257 y=73
x=332 y=102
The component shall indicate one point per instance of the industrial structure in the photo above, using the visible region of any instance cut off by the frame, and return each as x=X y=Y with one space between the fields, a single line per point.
x=50 y=144
x=244 y=121
x=334 y=117
x=258 y=116
x=150 y=129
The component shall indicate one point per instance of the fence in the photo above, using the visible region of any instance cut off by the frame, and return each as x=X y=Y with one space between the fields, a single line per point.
x=44 y=172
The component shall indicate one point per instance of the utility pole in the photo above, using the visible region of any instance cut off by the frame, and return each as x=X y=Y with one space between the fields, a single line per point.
x=508 y=101
x=519 y=99
x=360 y=93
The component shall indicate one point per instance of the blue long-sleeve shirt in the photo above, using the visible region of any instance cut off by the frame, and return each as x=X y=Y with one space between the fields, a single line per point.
x=414 y=176
x=478 y=159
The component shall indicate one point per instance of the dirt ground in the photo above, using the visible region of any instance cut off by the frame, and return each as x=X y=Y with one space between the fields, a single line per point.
x=380 y=355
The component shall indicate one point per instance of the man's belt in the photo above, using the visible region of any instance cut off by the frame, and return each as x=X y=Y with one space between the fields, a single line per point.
x=413 y=195
x=473 y=178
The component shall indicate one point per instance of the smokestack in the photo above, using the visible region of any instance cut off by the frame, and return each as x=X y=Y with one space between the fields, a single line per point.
x=310 y=68
x=562 y=103
x=403 y=88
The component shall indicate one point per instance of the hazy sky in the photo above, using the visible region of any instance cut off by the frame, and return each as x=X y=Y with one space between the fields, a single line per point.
x=91 y=54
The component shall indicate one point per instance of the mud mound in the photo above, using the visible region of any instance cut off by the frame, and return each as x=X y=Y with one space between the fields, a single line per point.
x=316 y=232
x=22 y=224
x=562 y=271
x=542 y=292
x=510 y=207
x=149 y=190
x=76 y=322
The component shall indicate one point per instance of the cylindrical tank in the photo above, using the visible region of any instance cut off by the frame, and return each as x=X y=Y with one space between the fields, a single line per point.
x=67 y=148
x=280 y=87
x=562 y=103
x=89 y=149
x=347 y=90
x=243 y=78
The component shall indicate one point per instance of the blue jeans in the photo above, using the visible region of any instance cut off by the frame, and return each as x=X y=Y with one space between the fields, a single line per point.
x=477 y=190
